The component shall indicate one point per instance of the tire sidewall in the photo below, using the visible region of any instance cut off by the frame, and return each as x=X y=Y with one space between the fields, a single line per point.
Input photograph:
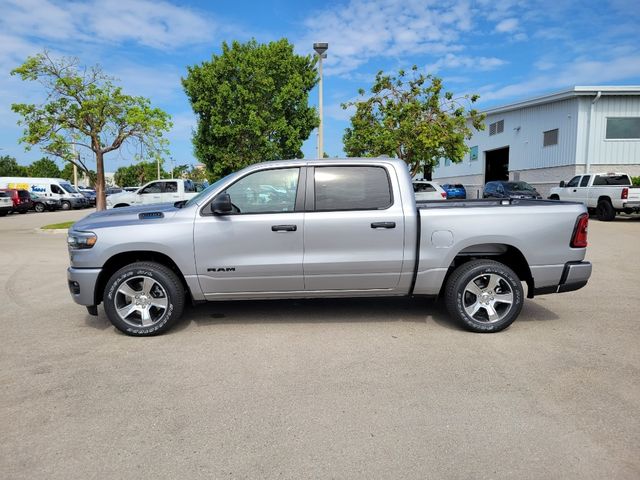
x=124 y=274
x=515 y=285
x=605 y=210
x=39 y=207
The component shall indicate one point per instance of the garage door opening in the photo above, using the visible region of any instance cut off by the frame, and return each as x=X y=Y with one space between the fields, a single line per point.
x=496 y=165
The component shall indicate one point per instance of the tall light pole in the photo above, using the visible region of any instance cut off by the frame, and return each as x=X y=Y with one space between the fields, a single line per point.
x=320 y=49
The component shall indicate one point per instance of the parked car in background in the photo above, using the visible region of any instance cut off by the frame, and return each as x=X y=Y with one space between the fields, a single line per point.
x=40 y=204
x=20 y=198
x=6 y=204
x=112 y=191
x=605 y=193
x=47 y=187
x=89 y=195
x=455 y=190
x=159 y=191
x=428 y=190
x=504 y=189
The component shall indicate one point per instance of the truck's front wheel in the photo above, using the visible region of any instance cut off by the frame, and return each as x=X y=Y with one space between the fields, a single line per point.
x=484 y=295
x=144 y=299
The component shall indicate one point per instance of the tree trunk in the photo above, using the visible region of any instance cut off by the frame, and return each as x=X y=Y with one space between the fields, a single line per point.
x=101 y=202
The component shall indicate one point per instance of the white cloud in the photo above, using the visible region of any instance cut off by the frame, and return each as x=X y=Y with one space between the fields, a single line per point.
x=157 y=24
x=451 y=61
x=361 y=30
x=508 y=25
x=580 y=72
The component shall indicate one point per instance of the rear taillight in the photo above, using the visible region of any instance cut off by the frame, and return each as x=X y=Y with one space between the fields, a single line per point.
x=444 y=194
x=579 y=238
x=625 y=194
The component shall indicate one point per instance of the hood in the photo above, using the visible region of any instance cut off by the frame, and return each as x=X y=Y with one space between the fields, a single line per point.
x=118 y=217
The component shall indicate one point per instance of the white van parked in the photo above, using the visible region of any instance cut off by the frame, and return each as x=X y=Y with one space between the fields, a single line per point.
x=57 y=188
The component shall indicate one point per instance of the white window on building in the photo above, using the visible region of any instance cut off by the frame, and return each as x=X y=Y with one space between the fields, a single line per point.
x=623 y=128
x=496 y=127
x=550 y=137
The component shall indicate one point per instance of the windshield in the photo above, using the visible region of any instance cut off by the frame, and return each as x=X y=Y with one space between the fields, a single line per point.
x=204 y=193
x=68 y=187
x=519 y=187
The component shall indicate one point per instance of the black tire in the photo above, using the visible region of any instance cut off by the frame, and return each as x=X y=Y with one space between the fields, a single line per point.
x=22 y=212
x=38 y=207
x=66 y=205
x=164 y=287
x=554 y=197
x=3 y=214
x=605 y=211
x=459 y=298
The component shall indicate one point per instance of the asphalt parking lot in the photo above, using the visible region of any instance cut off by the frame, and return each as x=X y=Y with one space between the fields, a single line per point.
x=384 y=388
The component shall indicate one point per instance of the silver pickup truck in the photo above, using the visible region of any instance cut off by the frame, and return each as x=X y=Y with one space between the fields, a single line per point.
x=325 y=228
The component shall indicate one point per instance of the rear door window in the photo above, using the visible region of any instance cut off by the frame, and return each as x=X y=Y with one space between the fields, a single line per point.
x=352 y=188
x=585 y=180
x=170 y=187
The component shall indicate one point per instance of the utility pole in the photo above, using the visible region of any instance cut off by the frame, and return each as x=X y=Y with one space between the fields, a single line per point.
x=320 y=49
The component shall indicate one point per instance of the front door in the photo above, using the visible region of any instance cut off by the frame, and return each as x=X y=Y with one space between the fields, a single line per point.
x=257 y=248
x=152 y=193
x=354 y=230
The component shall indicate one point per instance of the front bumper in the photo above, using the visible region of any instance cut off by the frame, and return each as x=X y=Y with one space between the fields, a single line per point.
x=78 y=202
x=82 y=285
x=574 y=276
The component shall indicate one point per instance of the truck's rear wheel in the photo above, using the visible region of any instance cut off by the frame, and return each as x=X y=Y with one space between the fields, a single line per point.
x=554 y=197
x=605 y=211
x=66 y=205
x=144 y=299
x=484 y=295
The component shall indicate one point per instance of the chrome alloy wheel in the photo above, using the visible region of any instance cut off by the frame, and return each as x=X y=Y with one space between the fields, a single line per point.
x=488 y=298
x=141 y=301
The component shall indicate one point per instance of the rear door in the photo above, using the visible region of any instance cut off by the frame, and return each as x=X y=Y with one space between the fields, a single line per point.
x=170 y=191
x=354 y=229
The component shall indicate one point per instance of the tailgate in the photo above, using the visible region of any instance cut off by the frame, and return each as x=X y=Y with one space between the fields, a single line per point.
x=634 y=194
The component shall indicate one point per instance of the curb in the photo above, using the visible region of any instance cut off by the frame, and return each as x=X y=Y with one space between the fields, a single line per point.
x=52 y=231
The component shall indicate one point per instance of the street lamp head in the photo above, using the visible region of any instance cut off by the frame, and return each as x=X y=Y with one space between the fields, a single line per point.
x=320 y=48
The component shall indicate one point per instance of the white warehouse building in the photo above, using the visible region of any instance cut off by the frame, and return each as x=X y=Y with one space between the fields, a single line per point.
x=551 y=138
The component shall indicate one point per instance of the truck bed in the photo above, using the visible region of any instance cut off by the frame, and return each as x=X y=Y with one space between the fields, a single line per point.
x=487 y=202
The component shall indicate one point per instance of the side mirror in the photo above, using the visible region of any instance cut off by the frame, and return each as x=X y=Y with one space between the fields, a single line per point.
x=221 y=204
x=562 y=184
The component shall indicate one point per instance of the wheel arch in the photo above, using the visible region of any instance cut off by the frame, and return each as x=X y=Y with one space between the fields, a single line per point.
x=120 y=260
x=604 y=198
x=504 y=253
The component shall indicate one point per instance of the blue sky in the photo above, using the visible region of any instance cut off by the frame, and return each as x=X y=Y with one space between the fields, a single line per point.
x=502 y=50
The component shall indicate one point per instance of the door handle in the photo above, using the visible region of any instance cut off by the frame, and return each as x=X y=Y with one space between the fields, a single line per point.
x=574 y=190
x=383 y=225
x=284 y=228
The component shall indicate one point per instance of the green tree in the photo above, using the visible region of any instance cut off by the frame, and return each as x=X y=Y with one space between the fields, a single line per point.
x=137 y=174
x=9 y=167
x=45 y=167
x=252 y=104
x=408 y=116
x=85 y=108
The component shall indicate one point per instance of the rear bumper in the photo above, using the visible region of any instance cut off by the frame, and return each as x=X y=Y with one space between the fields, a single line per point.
x=574 y=276
x=82 y=284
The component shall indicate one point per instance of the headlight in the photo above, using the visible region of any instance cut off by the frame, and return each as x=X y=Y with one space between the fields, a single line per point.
x=81 y=240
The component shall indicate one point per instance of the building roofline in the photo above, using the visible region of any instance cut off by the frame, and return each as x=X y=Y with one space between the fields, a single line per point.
x=565 y=94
